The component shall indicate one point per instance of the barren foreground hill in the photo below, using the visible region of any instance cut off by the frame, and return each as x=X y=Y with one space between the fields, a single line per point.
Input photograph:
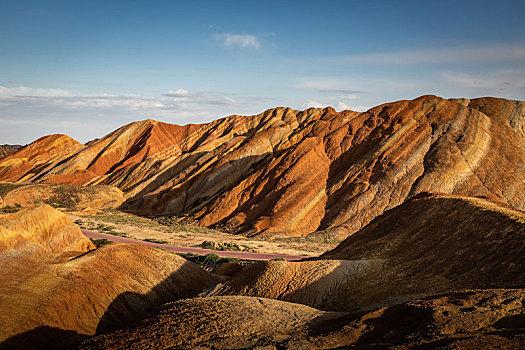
x=431 y=244
x=487 y=319
x=57 y=289
x=288 y=172
x=435 y=272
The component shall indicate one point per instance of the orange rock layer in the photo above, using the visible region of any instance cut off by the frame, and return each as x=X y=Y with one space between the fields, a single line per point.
x=292 y=173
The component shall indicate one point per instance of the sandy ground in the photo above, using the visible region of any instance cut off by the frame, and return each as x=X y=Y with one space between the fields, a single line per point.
x=187 y=235
x=193 y=250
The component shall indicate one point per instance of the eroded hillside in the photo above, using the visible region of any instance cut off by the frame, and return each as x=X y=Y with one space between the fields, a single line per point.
x=431 y=244
x=292 y=173
x=57 y=289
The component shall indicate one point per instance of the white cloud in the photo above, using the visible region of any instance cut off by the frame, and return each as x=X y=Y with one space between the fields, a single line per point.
x=178 y=93
x=230 y=100
x=239 y=40
x=314 y=104
x=37 y=97
x=333 y=92
x=338 y=105
x=342 y=106
x=200 y=97
x=27 y=113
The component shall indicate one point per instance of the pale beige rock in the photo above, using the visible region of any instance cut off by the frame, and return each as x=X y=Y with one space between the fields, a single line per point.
x=40 y=232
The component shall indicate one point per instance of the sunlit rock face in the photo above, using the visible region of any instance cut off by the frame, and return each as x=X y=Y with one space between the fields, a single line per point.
x=292 y=173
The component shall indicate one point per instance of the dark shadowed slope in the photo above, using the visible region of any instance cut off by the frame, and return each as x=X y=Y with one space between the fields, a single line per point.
x=474 y=320
x=428 y=245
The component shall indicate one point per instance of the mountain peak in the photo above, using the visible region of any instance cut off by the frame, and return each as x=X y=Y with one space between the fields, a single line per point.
x=27 y=162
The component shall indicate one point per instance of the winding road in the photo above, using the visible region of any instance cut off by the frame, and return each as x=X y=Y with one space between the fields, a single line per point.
x=193 y=250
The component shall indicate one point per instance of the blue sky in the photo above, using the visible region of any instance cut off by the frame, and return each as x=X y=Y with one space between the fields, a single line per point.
x=86 y=67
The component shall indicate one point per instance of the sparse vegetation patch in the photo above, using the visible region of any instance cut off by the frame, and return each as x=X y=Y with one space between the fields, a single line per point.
x=100 y=242
x=154 y=240
x=6 y=187
x=64 y=196
x=10 y=209
x=94 y=226
x=209 y=259
x=231 y=246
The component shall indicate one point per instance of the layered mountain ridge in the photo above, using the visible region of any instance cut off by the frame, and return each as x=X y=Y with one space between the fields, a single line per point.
x=293 y=173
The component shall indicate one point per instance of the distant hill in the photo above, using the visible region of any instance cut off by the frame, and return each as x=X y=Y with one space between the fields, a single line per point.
x=292 y=173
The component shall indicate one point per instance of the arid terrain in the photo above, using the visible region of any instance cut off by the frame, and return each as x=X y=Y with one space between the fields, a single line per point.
x=399 y=227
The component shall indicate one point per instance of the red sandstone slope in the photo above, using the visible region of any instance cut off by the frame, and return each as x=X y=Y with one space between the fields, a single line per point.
x=126 y=157
x=29 y=162
x=296 y=172
x=299 y=172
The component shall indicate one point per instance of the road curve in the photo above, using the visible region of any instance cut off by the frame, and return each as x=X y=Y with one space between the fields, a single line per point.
x=194 y=250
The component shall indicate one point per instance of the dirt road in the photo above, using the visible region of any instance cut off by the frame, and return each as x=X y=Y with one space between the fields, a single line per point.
x=194 y=250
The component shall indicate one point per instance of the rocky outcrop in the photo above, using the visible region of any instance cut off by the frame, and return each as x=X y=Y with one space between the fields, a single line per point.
x=31 y=161
x=40 y=232
x=314 y=283
x=292 y=173
x=127 y=158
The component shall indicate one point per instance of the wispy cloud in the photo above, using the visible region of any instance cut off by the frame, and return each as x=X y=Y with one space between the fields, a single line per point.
x=24 y=91
x=47 y=97
x=314 y=104
x=177 y=93
x=172 y=100
x=30 y=112
x=439 y=55
x=200 y=97
x=245 y=41
x=338 y=105
x=510 y=81
x=326 y=85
